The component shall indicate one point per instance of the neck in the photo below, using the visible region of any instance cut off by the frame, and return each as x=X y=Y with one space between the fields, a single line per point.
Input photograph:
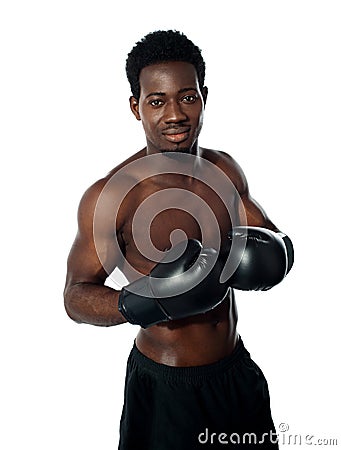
x=193 y=150
x=163 y=162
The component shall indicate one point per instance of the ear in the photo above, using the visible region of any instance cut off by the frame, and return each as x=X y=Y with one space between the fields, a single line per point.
x=134 y=106
x=204 y=94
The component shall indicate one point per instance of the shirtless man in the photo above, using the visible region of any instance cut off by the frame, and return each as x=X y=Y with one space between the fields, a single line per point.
x=169 y=218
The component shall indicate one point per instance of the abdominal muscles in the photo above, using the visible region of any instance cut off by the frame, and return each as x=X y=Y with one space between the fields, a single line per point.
x=198 y=340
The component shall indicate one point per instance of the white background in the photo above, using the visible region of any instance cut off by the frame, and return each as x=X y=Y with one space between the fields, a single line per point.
x=273 y=73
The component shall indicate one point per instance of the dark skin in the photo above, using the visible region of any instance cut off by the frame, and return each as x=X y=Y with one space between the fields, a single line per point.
x=171 y=107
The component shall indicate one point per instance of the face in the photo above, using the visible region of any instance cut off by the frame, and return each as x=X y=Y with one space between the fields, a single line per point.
x=170 y=106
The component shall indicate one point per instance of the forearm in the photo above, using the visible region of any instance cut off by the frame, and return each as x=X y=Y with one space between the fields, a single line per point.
x=93 y=304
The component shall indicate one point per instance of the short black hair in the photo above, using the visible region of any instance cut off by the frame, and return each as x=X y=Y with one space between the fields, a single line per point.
x=162 y=46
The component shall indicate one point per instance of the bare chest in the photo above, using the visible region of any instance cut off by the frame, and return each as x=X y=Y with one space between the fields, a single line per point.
x=157 y=218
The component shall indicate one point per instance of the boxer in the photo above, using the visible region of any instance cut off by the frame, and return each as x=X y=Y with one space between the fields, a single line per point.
x=179 y=222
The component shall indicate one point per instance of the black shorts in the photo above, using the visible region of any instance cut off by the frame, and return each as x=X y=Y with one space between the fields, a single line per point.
x=221 y=405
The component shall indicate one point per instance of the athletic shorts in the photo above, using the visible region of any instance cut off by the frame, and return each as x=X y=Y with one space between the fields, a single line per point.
x=217 y=406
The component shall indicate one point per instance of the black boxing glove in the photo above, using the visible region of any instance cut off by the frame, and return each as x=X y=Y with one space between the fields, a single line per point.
x=264 y=261
x=177 y=287
x=290 y=250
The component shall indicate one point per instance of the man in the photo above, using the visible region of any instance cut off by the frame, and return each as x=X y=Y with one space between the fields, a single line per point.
x=179 y=222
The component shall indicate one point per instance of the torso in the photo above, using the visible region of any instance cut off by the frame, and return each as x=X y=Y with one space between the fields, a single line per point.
x=169 y=208
x=196 y=341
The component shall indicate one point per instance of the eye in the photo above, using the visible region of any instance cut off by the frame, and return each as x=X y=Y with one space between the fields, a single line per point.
x=156 y=102
x=190 y=98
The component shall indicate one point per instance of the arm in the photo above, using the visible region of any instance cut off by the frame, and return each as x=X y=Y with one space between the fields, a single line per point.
x=256 y=217
x=177 y=287
x=86 y=298
x=268 y=254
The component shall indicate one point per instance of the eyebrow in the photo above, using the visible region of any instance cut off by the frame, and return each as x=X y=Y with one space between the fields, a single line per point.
x=188 y=89
x=181 y=91
x=155 y=93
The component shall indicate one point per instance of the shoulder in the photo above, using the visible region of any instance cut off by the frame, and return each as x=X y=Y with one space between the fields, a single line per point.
x=105 y=196
x=229 y=166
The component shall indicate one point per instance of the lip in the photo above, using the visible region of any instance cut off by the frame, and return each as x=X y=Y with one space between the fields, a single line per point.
x=177 y=130
x=180 y=137
x=177 y=134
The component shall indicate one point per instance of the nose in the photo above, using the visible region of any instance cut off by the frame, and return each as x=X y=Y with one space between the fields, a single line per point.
x=174 y=113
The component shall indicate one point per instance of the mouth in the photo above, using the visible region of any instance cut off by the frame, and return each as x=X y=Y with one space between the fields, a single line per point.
x=177 y=135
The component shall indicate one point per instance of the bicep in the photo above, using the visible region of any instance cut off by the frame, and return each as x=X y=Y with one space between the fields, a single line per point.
x=95 y=252
x=251 y=213
x=249 y=210
x=85 y=264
